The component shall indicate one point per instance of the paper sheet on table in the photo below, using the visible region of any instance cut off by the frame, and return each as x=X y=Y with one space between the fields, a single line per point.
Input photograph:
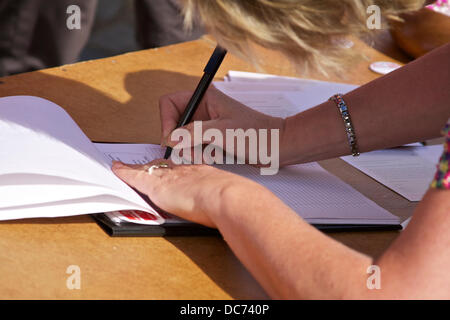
x=49 y=168
x=308 y=189
x=405 y=170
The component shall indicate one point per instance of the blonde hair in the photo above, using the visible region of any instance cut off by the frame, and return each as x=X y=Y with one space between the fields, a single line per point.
x=307 y=32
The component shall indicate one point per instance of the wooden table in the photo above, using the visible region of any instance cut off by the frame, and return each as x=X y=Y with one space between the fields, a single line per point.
x=116 y=99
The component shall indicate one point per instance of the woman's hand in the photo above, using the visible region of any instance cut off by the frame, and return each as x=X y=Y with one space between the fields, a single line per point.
x=199 y=193
x=218 y=111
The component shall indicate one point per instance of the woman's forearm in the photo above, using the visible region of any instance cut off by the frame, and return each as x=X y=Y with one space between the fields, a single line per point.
x=290 y=258
x=408 y=105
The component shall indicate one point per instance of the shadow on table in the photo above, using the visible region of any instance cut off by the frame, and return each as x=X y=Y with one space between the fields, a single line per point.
x=114 y=121
x=217 y=260
x=135 y=118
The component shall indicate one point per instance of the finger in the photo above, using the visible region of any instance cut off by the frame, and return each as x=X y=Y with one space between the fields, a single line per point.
x=136 y=176
x=173 y=105
x=170 y=110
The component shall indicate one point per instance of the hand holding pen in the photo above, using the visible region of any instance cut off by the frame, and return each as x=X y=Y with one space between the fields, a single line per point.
x=209 y=73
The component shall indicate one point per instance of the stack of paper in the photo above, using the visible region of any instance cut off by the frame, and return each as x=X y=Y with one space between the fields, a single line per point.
x=49 y=168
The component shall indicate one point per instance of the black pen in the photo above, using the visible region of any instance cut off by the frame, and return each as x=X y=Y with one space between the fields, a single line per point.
x=209 y=73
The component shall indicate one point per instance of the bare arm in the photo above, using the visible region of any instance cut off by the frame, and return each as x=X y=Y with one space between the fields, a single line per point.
x=408 y=105
x=293 y=260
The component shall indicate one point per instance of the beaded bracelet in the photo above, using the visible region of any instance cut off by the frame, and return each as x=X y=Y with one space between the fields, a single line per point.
x=351 y=136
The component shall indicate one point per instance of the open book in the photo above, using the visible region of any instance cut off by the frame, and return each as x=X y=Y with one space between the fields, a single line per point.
x=49 y=168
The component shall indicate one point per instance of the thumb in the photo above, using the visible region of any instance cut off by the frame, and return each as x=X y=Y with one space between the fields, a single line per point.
x=133 y=175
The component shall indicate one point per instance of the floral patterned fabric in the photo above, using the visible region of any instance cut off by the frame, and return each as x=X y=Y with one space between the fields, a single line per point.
x=442 y=177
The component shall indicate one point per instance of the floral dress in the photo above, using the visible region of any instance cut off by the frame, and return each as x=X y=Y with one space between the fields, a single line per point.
x=442 y=177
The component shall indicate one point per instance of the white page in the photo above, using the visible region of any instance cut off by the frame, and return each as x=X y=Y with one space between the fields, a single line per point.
x=87 y=205
x=308 y=189
x=272 y=103
x=243 y=76
x=406 y=170
x=279 y=96
x=264 y=86
x=317 y=195
x=47 y=164
x=430 y=153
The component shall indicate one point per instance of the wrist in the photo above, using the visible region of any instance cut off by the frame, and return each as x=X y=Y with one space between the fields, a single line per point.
x=293 y=141
x=313 y=135
x=279 y=124
x=234 y=199
x=284 y=146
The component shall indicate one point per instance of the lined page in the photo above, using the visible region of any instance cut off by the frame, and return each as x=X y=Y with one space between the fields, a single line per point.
x=317 y=195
